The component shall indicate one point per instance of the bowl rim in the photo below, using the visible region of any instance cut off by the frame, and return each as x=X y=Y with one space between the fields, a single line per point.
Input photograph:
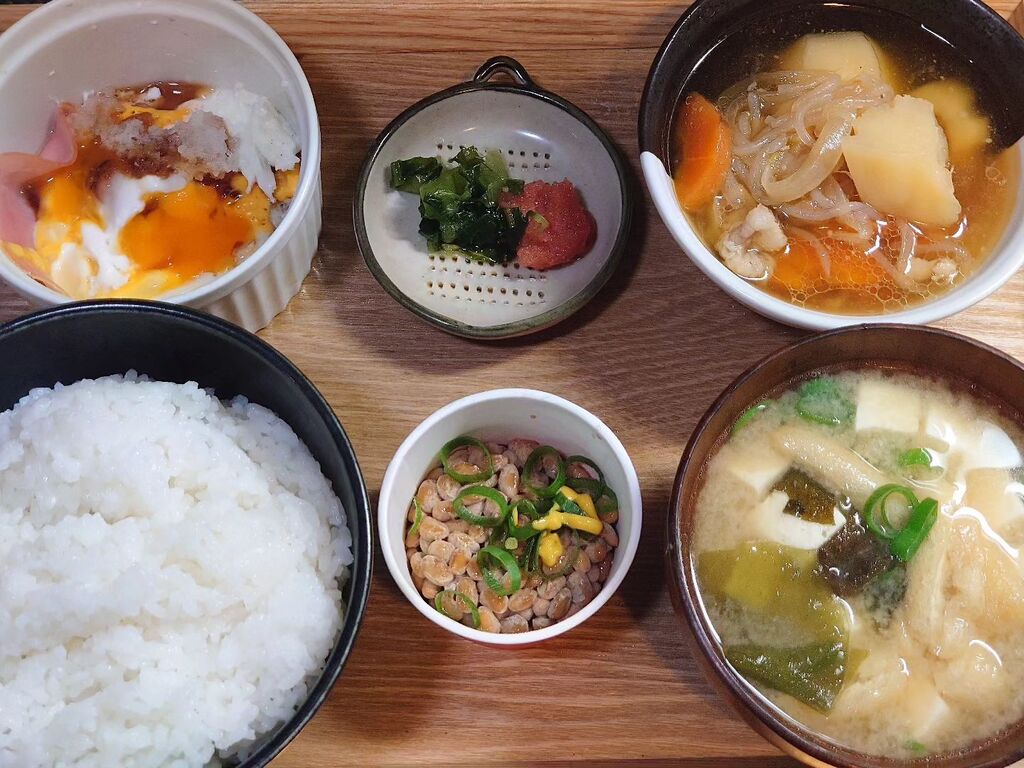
x=360 y=572
x=687 y=596
x=985 y=281
x=305 y=196
x=523 y=85
x=387 y=506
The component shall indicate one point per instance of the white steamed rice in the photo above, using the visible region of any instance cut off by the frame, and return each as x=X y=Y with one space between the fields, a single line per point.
x=170 y=568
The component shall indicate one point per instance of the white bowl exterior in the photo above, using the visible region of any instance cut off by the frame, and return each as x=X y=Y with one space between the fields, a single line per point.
x=555 y=146
x=1004 y=262
x=70 y=47
x=505 y=414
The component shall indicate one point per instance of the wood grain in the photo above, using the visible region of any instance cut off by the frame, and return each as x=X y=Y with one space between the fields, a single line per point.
x=649 y=355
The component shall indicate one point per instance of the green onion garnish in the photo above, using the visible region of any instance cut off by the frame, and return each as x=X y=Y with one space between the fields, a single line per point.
x=515 y=575
x=419 y=518
x=749 y=415
x=915 y=457
x=594 y=486
x=608 y=503
x=903 y=542
x=524 y=508
x=462 y=442
x=910 y=539
x=483 y=492
x=875 y=515
x=470 y=608
x=545 y=491
x=822 y=403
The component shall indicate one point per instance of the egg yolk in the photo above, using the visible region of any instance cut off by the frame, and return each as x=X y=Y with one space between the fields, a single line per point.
x=190 y=232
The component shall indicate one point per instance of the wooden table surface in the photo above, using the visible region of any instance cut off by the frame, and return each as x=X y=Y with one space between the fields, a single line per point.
x=648 y=356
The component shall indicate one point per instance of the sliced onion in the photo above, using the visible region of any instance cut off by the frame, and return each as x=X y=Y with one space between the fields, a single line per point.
x=819 y=165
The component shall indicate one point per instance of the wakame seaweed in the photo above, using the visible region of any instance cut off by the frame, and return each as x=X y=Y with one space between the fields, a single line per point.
x=459 y=204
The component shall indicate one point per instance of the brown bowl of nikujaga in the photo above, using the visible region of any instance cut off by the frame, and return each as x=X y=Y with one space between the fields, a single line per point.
x=843 y=544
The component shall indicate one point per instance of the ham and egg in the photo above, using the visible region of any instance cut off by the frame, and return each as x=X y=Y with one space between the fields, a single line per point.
x=146 y=190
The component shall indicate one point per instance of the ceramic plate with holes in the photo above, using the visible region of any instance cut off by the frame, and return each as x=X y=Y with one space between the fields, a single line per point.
x=543 y=137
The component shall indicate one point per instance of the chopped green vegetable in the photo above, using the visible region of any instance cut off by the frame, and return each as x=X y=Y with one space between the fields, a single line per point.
x=766 y=579
x=462 y=442
x=459 y=204
x=451 y=594
x=410 y=175
x=534 y=462
x=419 y=518
x=876 y=510
x=917 y=748
x=807 y=500
x=749 y=415
x=822 y=402
x=920 y=524
x=915 y=457
x=542 y=222
x=812 y=674
x=607 y=504
x=495 y=583
x=595 y=487
x=524 y=508
x=482 y=492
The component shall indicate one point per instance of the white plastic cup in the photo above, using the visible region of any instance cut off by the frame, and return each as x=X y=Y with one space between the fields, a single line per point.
x=501 y=415
x=69 y=47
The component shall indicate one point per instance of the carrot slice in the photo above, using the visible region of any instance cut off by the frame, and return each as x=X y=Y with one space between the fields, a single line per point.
x=705 y=150
x=798 y=268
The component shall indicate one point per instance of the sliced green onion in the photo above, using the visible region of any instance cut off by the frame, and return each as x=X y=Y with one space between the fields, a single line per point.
x=875 y=515
x=462 y=442
x=822 y=403
x=749 y=415
x=523 y=508
x=594 y=486
x=471 y=609
x=567 y=505
x=607 y=504
x=910 y=539
x=915 y=457
x=533 y=555
x=419 y=518
x=545 y=491
x=483 y=492
x=511 y=544
x=515 y=575
x=542 y=222
x=919 y=749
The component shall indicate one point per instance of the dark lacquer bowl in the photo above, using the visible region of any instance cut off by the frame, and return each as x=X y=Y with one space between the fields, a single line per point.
x=705 y=51
x=957 y=360
x=171 y=343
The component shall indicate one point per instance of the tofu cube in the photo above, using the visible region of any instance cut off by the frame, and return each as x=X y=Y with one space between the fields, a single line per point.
x=759 y=466
x=988 y=447
x=887 y=407
x=898 y=159
x=770 y=522
x=943 y=428
x=996 y=495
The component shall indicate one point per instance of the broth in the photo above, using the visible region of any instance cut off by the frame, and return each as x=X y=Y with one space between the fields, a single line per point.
x=854 y=265
x=901 y=658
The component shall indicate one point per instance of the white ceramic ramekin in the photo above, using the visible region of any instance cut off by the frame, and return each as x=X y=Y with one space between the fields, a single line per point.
x=69 y=47
x=1004 y=262
x=504 y=414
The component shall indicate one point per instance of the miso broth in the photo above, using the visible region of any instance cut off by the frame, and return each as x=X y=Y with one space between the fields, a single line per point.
x=892 y=627
x=869 y=232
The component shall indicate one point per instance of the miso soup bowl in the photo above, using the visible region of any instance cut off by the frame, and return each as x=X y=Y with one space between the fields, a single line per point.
x=707 y=32
x=66 y=48
x=961 y=362
x=504 y=414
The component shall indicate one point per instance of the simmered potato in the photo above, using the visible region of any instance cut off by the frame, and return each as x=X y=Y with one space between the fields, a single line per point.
x=956 y=110
x=848 y=54
x=899 y=160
